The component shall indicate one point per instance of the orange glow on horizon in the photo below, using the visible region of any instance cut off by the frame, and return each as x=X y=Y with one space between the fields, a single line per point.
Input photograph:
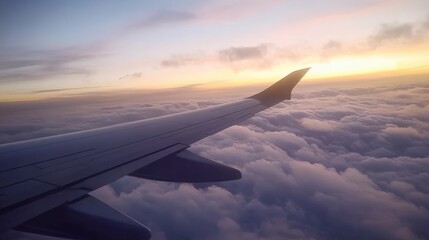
x=405 y=60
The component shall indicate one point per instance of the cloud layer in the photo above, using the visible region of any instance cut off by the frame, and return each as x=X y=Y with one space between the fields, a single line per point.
x=334 y=163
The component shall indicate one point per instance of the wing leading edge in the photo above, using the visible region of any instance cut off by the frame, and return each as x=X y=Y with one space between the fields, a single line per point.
x=45 y=178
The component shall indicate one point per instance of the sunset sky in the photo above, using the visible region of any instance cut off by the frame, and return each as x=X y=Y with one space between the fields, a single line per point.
x=51 y=48
x=346 y=158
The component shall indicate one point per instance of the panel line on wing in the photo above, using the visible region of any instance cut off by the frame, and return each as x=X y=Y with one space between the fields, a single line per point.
x=6 y=209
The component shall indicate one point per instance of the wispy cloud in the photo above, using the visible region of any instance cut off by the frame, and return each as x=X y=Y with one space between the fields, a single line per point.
x=9 y=64
x=44 y=64
x=234 y=54
x=234 y=9
x=179 y=60
x=160 y=18
x=62 y=89
x=33 y=65
x=135 y=75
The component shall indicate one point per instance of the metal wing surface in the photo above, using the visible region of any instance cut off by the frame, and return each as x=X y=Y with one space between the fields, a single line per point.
x=44 y=183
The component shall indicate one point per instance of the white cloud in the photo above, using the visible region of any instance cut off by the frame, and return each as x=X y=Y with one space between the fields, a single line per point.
x=334 y=163
x=317 y=125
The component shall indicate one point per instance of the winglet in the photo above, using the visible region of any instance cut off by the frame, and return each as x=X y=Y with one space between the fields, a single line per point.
x=280 y=90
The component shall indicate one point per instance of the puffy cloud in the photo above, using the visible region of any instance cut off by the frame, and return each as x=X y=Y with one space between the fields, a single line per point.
x=350 y=182
x=335 y=162
x=317 y=125
x=332 y=45
x=399 y=32
x=402 y=131
x=389 y=32
x=425 y=23
x=331 y=48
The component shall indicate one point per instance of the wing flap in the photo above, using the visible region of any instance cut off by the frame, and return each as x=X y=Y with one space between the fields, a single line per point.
x=88 y=218
x=187 y=166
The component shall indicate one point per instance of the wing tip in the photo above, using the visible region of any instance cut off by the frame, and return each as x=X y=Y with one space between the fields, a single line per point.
x=282 y=89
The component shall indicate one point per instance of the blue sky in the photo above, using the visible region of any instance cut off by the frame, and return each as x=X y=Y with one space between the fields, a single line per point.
x=160 y=44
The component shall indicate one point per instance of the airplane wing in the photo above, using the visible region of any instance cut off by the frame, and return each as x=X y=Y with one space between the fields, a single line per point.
x=44 y=183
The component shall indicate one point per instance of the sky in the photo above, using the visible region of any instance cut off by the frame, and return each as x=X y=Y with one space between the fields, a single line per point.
x=56 y=48
x=346 y=158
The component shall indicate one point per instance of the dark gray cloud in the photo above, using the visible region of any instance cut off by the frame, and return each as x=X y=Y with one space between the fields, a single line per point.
x=268 y=54
x=236 y=57
x=331 y=48
x=385 y=34
x=183 y=60
x=425 y=24
x=347 y=161
x=401 y=33
x=234 y=54
x=332 y=45
x=391 y=32
x=161 y=18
